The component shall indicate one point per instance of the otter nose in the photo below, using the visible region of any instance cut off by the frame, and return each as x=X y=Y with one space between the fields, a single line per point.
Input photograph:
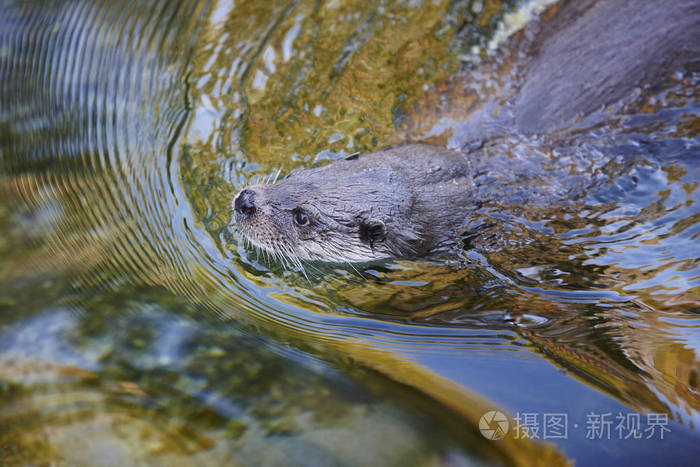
x=244 y=203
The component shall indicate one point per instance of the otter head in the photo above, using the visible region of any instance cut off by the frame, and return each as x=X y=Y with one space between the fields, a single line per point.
x=352 y=210
x=312 y=215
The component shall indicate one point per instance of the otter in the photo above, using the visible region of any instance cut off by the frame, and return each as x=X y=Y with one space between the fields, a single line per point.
x=410 y=200
x=406 y=201
x=402 y=201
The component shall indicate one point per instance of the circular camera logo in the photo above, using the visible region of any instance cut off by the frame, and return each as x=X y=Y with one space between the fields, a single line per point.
x=493 y=425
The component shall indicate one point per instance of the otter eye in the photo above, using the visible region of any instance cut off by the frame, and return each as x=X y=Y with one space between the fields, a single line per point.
x=300 y=218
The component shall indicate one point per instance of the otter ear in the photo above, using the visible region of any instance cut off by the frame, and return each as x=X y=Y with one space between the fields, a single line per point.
x=372 y=231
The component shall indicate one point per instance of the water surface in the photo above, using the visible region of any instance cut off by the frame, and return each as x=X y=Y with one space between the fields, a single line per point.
x=136 y=327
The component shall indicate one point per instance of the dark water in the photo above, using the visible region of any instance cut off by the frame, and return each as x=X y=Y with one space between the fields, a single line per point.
x=135 y=328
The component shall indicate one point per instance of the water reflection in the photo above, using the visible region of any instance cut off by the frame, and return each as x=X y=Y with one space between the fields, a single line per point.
x=146 y=384
x=132 y=317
